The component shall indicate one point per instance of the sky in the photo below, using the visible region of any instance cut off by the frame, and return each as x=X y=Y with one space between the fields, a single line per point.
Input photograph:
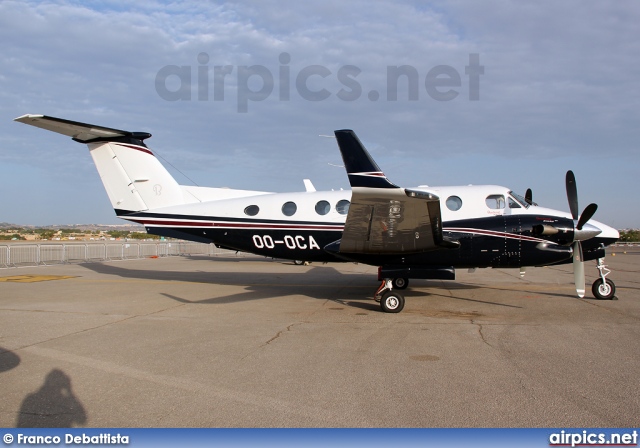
x=240 y=95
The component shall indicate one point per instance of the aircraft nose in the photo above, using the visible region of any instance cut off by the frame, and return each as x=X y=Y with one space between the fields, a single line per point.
x=588 y=231
x=608 y=232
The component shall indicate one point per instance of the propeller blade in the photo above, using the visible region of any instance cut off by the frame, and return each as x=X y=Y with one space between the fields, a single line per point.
x=572 y=194
x=586 y=215
x=528 y=196
x=578 y=269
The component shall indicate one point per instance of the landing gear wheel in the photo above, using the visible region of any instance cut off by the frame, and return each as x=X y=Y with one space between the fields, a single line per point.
x=392 y=302
x=400 y=283
x=603 y=290
x=298 y=262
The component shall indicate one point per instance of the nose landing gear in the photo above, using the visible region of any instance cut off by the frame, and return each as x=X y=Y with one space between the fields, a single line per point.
x=603 y=288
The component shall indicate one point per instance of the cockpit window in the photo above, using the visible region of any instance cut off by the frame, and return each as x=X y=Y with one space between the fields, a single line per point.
x=513 y=203
x=495 y=201
x=522 y=201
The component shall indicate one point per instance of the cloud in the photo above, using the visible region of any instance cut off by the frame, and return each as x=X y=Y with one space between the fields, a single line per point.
x=559 y=87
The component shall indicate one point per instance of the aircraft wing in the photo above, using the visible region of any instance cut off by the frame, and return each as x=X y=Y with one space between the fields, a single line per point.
x=384 y=218
x=80 y=132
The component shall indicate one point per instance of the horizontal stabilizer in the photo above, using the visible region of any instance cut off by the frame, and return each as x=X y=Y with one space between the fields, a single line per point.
x=133 y=177
x=82 y=132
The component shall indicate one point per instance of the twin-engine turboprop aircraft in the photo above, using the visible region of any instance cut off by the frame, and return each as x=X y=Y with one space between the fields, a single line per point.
x=410 y=233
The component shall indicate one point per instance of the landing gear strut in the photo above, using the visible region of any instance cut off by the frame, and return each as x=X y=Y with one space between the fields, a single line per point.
x=603 y=288
x=390 y=301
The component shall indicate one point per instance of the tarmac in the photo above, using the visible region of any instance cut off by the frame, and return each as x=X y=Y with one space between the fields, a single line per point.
x=253 y=342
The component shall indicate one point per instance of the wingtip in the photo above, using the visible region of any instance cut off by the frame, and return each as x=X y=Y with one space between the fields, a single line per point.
x=26 y=117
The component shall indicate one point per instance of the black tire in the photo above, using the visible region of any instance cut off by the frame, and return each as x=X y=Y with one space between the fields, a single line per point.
x=400 y=283
x=392 y=302
x=603 y=291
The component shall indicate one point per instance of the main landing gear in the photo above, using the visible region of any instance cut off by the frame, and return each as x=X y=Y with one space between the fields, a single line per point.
x=390 y=301
x=603 y=288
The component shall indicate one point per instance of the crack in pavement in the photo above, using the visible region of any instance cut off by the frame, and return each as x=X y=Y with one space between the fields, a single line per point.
x=94 y=328
x=278 y=334
x=481 y=333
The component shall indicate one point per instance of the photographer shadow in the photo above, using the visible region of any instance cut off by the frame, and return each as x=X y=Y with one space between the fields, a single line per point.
x=53 y=405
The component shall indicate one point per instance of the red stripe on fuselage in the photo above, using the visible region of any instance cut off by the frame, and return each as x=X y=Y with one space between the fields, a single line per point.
x=233 y=225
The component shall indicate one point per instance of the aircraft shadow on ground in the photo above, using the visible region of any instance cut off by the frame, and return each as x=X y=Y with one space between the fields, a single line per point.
x=321 y=282
x=8 y=360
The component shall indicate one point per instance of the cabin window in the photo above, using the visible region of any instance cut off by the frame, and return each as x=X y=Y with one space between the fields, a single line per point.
x=251 y=210
x=495 y=201
x=289 y=208
x=323 y=207
x=454 y=203
x=342 y=207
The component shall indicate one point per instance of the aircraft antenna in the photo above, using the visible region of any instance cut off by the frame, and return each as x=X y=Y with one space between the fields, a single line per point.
x=155 y=151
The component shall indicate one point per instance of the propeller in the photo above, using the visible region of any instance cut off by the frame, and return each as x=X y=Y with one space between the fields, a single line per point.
x=528 y=196
x=582 y=231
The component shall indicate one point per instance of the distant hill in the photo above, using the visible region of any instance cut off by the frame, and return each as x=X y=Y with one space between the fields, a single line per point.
x=83 y=227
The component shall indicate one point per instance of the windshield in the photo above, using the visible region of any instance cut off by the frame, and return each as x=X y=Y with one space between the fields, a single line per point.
x=522 y=201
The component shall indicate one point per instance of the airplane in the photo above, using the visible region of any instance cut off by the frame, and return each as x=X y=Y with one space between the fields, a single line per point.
x=409 y=233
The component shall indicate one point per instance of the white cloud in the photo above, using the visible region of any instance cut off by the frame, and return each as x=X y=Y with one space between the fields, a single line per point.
x=559 y=87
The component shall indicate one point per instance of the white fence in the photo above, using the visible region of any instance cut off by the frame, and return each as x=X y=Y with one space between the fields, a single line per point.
x=22 y=254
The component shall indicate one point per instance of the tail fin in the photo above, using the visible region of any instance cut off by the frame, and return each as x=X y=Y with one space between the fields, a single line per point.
x=362 y=170
x=134 y=178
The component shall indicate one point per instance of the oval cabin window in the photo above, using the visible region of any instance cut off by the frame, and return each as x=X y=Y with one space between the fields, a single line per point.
x=289 y=208
x=323 y=207
x=342 y=207
x=454 y=203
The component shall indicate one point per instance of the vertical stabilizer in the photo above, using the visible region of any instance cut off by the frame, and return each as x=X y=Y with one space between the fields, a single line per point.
x=134 y=178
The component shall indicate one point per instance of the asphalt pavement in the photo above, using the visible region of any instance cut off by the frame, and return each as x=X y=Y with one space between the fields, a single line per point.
x=253 y=342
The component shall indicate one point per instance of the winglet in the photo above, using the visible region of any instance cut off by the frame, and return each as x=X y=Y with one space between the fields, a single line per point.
x=361 y=168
